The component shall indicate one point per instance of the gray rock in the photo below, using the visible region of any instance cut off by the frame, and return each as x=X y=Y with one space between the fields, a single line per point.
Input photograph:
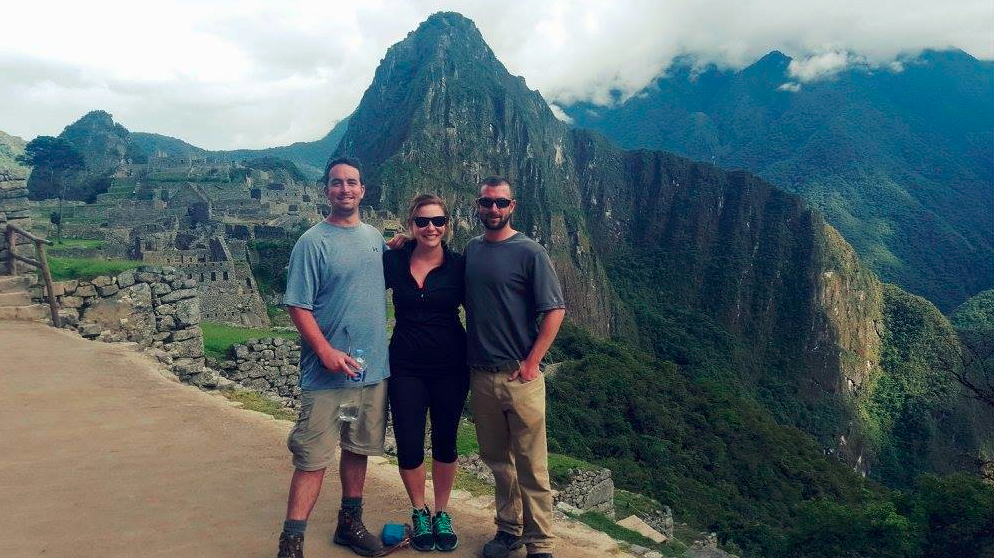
x=86 y=290
x=107 y=290
x=103 y=281
x=160 y=289
x=165 y=309
x=248 y=366
x=181 y=294
x=188 y=333
x=126 y=278
x=72 y=302
x=190 y=348
x=89 y=329
x=165 y=323
x=188 y=311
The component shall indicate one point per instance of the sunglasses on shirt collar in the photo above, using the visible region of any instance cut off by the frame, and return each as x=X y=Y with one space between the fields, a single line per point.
x=489 y=202
x=439 y=221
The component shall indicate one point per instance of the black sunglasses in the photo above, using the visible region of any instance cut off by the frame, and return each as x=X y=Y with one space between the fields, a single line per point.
x=489 y=202
x=439 y=221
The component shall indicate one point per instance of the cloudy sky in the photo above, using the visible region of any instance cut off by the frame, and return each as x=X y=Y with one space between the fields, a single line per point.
x=223 y=74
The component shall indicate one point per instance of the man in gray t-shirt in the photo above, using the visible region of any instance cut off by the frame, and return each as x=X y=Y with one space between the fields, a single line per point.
x=510 y=282
x=335 y=298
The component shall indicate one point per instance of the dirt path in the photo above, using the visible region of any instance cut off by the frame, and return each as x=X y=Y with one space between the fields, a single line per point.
x=104 y=455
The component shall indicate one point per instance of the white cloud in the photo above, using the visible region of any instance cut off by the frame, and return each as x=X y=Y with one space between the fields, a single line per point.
x=790 y=86
x=819 y=66
x=256 y=73
x=560 y=114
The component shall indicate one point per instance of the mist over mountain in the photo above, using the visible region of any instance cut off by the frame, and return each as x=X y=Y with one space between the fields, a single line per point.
x=898 y=159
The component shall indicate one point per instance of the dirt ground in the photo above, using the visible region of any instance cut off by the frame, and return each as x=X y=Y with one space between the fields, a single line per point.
x=103 y=454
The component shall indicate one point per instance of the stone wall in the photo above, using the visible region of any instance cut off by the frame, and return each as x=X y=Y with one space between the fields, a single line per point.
x=13 y=209
x=269 y=366
x=589 y=490
x=152 y=306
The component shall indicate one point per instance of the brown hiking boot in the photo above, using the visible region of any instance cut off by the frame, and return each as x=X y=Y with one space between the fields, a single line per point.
x=353 y=534
x=291 y=546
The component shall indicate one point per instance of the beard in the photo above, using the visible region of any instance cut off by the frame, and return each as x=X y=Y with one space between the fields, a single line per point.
x=497 y=226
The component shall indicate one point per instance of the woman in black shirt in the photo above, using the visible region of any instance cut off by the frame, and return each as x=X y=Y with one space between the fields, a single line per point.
x=428 y=372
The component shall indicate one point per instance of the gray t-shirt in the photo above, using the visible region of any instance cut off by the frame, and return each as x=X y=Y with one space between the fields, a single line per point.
x=508 y=284
x=337 y=273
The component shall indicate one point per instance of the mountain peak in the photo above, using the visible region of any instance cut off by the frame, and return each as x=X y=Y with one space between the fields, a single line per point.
x=772 y=66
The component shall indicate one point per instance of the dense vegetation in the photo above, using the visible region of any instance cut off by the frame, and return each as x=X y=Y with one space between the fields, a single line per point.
x=899 y=161
x=723 y=463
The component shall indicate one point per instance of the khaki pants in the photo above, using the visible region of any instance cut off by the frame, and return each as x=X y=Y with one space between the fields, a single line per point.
x=510 y=427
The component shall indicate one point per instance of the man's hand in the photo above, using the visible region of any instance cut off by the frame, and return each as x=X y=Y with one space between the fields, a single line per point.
x=339 y=362
x=526 y=372
x=397 y=241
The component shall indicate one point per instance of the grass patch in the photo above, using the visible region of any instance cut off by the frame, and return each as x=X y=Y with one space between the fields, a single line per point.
x=87 y=268
x=218 y=338
x=255 y=402
x=75 y=243
x=560 y=465
x=629 y=503
x=467 y=481
x=466 y=442
x=606 y=525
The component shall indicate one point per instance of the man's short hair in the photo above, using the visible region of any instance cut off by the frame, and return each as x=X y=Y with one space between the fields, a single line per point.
x=495 y=181
x=350 y=161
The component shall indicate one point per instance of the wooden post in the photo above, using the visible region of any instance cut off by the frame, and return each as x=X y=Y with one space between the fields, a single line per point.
x=47 y=274
x=12 y=247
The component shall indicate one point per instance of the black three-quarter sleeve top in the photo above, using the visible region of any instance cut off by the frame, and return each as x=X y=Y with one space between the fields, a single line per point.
x=428 y=338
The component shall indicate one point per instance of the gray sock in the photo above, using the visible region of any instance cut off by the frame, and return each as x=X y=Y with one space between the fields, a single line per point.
x=295 y=527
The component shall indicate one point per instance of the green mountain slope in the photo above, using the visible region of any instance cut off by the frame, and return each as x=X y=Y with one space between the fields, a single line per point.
x=732 y=279
x=898 y=161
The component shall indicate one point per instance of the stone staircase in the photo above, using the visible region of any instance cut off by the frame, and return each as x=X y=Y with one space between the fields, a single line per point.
x=15 y=300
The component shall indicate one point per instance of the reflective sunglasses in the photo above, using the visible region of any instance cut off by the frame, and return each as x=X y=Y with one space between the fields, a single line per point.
x=439 y=221
x=489 y=202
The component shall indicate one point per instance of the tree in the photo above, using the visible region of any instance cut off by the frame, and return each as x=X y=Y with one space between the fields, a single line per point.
x=57 y=156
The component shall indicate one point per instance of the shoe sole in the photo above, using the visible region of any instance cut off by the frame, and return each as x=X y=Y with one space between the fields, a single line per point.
x=510 y=549
x=447 y=549
x=357 y=549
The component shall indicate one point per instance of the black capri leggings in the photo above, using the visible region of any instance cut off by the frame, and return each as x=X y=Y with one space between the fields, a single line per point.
x=411 y=398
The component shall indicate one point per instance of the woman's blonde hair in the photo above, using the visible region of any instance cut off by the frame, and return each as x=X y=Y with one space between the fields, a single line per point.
x=422 y=200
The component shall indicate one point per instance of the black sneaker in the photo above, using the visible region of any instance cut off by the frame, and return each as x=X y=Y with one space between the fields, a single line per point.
x=501 y=545
x=445 y=538
x=291 y=546
x=353 y=534
x=422 y=537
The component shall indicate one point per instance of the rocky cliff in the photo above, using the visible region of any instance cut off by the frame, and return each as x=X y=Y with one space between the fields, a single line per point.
x=718 y=271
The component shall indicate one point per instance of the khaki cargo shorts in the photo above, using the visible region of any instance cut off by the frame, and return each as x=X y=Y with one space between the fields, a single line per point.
x=312 y=440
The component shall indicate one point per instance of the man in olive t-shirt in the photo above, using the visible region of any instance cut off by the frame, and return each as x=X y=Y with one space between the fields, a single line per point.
x=510 y=282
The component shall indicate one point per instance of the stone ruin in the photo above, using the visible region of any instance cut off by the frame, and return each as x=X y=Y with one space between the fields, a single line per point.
x=587 y=490
x=152 y=306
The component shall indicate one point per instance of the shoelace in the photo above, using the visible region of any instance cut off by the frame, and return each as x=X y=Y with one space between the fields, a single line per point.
x=443 y=523
x=422 y=522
